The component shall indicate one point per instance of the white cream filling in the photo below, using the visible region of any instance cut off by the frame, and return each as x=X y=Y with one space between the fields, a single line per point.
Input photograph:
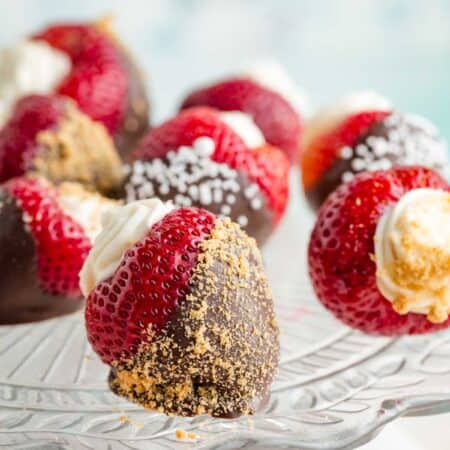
x=122 y=228
x=243 y=125
x=85 y=207
x=29 y=67
x=272 y=76
x=328 y=118
x=412 y=253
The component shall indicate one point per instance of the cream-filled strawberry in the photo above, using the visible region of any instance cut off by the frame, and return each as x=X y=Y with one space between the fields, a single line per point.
x=263 y=99
x=379 y=254
x=361 y=133
x=49 y=135
x=46 y=233
x=198 y=159
x=87 y=63
x=179 y=306
x=412 y=254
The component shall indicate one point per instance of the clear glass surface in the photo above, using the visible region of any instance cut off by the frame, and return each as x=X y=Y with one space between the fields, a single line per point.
x=336 y=388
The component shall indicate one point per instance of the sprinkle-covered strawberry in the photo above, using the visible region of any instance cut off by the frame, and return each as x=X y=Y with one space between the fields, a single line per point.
x=103 y=80
x=49 y=135
x=197 y=159
x=379 y=254
x=362 y=133
x=270 y=111
x=45 y=236
x=178 y=304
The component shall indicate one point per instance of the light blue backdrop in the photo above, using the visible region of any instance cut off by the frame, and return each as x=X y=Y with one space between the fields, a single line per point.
x=401 y=48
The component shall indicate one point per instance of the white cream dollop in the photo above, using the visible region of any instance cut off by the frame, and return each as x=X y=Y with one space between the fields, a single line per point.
x=329 y=117
x=412 y=254
x=122 y=228
x=29 y=67
x=243 y=125
x=272 y=76
x=85 y=207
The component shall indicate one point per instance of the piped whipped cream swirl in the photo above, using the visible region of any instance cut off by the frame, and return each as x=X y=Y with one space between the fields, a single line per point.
x=243 y=125
x=412 y=254
x=84 y=206
x=29 y=67
x=122 y=228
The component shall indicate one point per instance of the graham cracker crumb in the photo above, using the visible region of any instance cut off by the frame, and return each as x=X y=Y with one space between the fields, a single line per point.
x=219 y=353
x=422 y=270
x=79 y=150
x=184 y=435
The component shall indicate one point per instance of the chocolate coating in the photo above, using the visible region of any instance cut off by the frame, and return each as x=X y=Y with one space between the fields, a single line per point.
x=259 y=222
x=21 y=297
x=224 y=193
x=397 y=140
x=136 y=116
x=219 y=352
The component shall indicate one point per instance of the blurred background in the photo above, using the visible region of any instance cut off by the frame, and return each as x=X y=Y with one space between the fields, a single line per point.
x=398 y=47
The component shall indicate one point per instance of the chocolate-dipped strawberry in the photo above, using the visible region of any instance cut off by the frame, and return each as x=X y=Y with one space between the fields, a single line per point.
x=379 y=254
x=103 y=78
x=179 y=305
x=262 y=98
x=362 y=133
x=201 y=159
x=87 y=63
x=45 y=236
x=50 y=136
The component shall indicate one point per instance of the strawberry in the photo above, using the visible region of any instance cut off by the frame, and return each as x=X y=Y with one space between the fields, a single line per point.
x=276 y=118
x=185 y=311
x=98 y=80
x=341 y=249
x=18 y=145
x=266 y=166
x=61 y=243
x=152 y=279
x=367 y=141
x=320 y=154
x=47 y=134
x=184 y=129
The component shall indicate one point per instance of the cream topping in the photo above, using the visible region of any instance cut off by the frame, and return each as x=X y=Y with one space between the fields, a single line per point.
x=122 y=228
x=29 y=67
x=328 y=118
x=412 y=254
x=85 y=207
x=243 y=125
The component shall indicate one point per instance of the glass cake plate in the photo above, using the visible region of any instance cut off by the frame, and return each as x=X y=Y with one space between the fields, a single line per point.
x=336 y=388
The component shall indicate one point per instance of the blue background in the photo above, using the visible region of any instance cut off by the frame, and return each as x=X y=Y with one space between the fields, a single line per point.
x=400 y=48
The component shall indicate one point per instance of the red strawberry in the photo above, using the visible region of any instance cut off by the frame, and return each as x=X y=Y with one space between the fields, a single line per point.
x=61 y=243
x=266 y=166
x=341 y=249
x=18 y=144
x=184 y=129
x=321 y=153
x=98 y=80
x=47 y=134
x=151 y=280
x=277 y=119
